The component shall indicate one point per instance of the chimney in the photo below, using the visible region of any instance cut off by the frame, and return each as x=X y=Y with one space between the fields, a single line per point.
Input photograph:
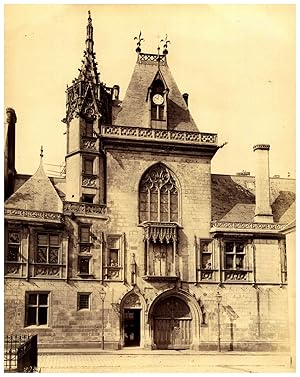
x=9 y=152
x=186 y=98
x=263 y=210
x=116 y=91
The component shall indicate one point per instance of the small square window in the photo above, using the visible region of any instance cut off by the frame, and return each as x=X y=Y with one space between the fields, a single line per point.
x=87 y=166
x=83 y=301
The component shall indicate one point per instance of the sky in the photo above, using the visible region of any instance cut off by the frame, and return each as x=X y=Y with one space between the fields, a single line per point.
x=237 y=62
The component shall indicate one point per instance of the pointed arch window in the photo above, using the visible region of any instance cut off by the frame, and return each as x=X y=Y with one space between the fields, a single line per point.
x=158 y=195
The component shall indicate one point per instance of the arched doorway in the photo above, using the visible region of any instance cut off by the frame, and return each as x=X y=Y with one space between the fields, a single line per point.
x=172 y=324
x=132 y=320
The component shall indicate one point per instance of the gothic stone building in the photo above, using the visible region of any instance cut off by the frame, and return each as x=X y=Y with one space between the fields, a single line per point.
x=139 y=244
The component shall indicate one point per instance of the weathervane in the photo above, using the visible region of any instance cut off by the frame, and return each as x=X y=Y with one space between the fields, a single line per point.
x=139 y=41
x=42 y=152
x=165 y=51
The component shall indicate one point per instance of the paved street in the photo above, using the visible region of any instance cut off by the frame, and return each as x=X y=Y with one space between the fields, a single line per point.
x=87 y=361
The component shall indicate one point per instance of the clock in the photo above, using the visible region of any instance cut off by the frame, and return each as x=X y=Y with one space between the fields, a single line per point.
x=158 y=99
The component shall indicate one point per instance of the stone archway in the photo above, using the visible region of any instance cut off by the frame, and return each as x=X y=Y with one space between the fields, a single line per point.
x=132 y=320
x=175 y=321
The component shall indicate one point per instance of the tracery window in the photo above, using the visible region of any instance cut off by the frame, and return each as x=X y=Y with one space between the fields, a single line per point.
x=158 y=195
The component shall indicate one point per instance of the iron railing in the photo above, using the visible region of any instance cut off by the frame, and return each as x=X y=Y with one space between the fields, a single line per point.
x=20 y=353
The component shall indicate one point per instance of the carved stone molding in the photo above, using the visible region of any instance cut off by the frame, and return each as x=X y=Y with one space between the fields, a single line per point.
x=89 y=143
x=235 y=275
x=243 y=225
x=89 y=180
x=161 y=135
x=87 y=209
x=37 y=215
x=160 y=232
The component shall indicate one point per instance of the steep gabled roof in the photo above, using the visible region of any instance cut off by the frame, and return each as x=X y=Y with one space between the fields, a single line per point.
x=37 y=194
x=233 y=198
x=134 y=110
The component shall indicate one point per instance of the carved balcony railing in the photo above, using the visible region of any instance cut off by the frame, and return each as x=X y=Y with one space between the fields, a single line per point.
x=112 y=273
x=152 y=58
x=89 y=180
x=84 y=209
x=34 y=215
x=47 y=270
x=236 y=275
x=88 y=143
x=206 y=274
x=159 y=135
x=226 y=225
x=14 y=268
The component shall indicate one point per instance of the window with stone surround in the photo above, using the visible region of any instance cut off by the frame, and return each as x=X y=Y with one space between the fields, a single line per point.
x=113 y=257
x=48 y=247
x=83 y=301
x=84 y=238
x=13 y=246
x=235 y=260
x=84 y=265
x=206 y=263
x=88 y=165
x=158 y=195
x=37 y=309
x=87 y=129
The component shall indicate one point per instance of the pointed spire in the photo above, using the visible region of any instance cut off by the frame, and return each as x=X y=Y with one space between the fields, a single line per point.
x=88 y=71
x=42 y=153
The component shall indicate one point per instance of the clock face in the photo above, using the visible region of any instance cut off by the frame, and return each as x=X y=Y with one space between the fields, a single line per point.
x=158 y=99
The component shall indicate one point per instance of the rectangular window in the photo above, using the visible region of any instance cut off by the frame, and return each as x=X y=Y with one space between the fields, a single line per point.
x=234 y=255
x=48 y=246
x=14 y=246
x=84 y=265
x=37 y=305
x=113 y=258
x=87 y=198
x=87 y=166
x=83 y=301
x=113 y=245
x=88 y=129
x=84 y=238
x=206 y=255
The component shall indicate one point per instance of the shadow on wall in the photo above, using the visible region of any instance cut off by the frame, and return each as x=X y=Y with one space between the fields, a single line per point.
x=225 y=194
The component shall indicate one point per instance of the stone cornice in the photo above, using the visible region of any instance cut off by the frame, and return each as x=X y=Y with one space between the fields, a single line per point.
x=226 y=226
x=265 y=147
x=15 y=213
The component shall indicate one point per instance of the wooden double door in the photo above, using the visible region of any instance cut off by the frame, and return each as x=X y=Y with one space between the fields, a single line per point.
x=172 y=324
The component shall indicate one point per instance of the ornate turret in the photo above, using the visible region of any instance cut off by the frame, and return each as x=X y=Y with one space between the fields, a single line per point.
x=87 y=97
x=89 y=104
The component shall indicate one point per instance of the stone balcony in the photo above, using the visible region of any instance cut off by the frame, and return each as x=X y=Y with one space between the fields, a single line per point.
x=140 y=133
x=85 y=209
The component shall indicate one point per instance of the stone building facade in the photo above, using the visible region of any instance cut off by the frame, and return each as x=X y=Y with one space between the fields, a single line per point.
x=140 y=244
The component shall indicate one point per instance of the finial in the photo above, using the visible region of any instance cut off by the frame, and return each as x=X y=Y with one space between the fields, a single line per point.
x=165 y=51
x=42 y=152
x=89 y=17
x=139 y=41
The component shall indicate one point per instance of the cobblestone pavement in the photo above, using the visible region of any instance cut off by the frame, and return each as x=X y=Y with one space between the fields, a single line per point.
x=161 y=362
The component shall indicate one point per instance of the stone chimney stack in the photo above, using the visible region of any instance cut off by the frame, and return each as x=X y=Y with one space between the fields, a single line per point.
x=263 y=210
x=9 y=152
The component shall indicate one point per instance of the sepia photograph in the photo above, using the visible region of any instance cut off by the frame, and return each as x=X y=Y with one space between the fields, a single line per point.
x=149 y=188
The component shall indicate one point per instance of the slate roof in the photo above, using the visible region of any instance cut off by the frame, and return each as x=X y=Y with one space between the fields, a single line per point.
x=134 y=110
x=37 y=194
x=233 y=198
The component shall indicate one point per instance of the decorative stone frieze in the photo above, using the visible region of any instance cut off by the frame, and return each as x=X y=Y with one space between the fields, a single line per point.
x=244 y=226
x=87 y=209
x=160 y=232
x=36 y=215
x=161 y=135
